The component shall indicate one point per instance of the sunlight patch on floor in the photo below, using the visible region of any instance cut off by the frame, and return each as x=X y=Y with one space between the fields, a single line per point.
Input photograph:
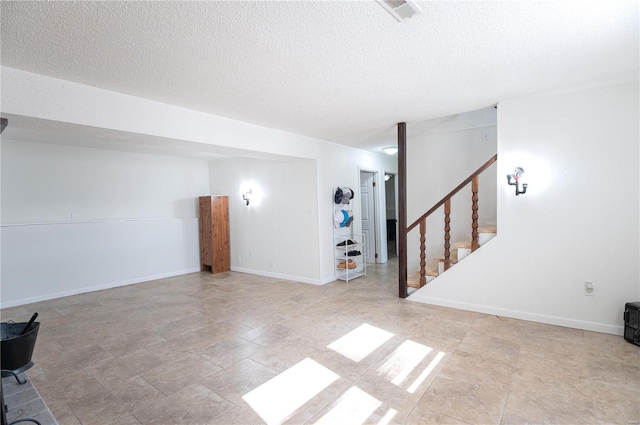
x=354 y=407
x=281 y=396
x=360 y=342
x=403 y=360
x=420 y=379
x=388 y=417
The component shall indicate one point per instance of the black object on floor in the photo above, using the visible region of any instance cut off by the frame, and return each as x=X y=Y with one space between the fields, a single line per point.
x=16 y=347
x=632 y=322
x=17 y=341
x=26 y=328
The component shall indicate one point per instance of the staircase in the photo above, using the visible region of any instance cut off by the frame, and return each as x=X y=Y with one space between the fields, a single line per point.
x=461 y=249
x=458 y=253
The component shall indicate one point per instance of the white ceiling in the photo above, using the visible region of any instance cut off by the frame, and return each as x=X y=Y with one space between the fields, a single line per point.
x=341 y=71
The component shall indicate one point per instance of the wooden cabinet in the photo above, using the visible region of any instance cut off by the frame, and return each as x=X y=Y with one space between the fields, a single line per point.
x=213 y=221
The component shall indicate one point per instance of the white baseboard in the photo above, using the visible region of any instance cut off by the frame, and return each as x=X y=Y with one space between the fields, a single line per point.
x=86 y=289
x=522 y=315
x=328 y=280
x=281 y=276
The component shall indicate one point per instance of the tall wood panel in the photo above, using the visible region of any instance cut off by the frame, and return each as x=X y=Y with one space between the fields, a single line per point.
x=214 y=234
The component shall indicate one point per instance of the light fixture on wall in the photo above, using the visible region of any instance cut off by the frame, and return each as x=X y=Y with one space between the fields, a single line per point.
x=247 y=196
x=514 y=179
x=390 y=150
x=387 y=177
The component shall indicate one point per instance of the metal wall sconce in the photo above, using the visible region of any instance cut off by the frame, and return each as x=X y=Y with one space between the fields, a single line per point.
x=514 y=180
x=246 y=196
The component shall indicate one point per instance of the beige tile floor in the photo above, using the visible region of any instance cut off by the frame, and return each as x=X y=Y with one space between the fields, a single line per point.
x=241 y=349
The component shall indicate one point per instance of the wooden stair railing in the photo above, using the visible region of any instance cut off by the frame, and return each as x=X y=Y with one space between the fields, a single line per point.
x=446 y=201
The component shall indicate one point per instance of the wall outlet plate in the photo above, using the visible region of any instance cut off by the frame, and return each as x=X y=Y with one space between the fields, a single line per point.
x=589 y=289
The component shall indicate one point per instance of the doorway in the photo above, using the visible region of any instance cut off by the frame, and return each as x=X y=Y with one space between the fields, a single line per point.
x=392 y=219
x=368 y=212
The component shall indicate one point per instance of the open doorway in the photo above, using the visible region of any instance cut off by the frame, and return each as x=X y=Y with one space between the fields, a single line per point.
x=392 y=219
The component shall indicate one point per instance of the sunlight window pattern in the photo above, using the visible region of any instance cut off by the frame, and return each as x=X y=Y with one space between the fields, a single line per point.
x=403 y=360
x=353 y=407
x=420 y=379
x=281 y=396
x=360 y=342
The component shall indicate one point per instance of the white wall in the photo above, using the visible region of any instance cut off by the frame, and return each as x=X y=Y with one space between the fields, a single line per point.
x=339 y=166
x=134 y=219
x=578 y=221
x=290 y=232
x=441 y=154
x=277 y=233
x=26 y=94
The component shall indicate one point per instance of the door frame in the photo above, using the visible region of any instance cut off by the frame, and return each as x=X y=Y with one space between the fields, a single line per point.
x=395 y=206
x=380 y=249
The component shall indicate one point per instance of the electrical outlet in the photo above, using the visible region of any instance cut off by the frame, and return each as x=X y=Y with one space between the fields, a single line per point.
x=72 y=216
x=485 y=134
x=589 y=289
x=239 y=259
x=251 y=253
x=271 y=263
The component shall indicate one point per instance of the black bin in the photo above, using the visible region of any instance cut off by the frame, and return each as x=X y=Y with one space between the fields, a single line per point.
x=632 y=322
x=17 y=349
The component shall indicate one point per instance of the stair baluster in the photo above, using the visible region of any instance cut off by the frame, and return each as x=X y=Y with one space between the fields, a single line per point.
x=423 y=253
x=447 y=234
x=474 y=214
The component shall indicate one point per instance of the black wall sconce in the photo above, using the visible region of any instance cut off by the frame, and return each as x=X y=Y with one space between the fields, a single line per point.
x=246 y=196
x=514 y=180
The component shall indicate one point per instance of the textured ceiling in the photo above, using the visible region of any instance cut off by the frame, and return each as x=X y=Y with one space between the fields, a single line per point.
x=340 y=71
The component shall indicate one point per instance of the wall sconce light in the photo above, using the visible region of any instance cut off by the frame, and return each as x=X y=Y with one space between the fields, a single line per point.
x=387 y=177
x=246 y=196
x=514 y=180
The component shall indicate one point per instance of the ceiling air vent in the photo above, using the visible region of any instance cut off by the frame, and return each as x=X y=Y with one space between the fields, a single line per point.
x=400 y=9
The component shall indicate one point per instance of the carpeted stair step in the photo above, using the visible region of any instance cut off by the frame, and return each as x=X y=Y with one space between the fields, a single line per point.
x=487 y=229
x=458 y=252
x=453 y=257
x=453 y=260
x=486 y=233
x=431 y=272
